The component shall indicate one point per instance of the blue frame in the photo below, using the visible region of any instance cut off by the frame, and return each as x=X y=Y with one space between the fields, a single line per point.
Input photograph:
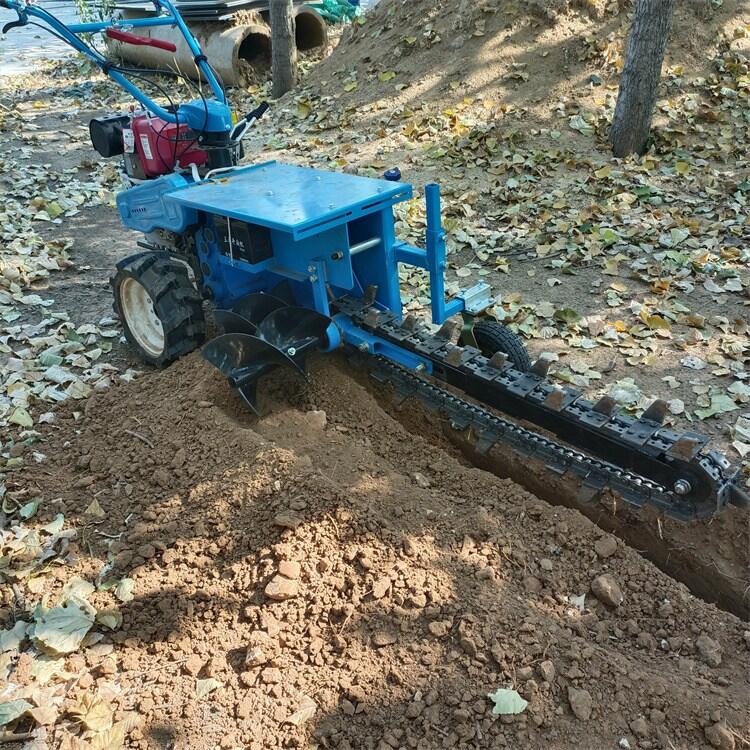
x=327 y=231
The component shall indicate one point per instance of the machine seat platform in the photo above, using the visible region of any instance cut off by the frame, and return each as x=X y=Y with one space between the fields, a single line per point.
x=298 y=200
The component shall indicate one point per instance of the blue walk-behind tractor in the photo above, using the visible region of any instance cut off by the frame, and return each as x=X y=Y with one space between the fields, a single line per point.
x=294 y=260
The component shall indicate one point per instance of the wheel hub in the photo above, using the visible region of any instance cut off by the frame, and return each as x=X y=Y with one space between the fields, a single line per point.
x=140 y=316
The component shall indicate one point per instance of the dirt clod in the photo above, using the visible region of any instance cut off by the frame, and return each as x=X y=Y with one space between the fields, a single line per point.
x=719 y=736
x=606 y=546
x=381 y=587
x=606 y=589
x=193 y=665
x=290 y=569
x=280 y=588
x=383 y=638
x=547 y=670
x=640 y=727
x=580 y=702
x=709 y=650
x=287 y=520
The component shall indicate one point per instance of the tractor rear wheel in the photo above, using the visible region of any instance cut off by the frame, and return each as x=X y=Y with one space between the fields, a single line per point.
x=159 y=307
x=493 y=337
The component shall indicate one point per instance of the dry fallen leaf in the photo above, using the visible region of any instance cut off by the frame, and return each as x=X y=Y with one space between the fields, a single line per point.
x=304 y=712
x=93 y=712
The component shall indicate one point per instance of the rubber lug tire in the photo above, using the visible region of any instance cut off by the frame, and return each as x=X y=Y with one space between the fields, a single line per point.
x=176 y=302
x=494 y=337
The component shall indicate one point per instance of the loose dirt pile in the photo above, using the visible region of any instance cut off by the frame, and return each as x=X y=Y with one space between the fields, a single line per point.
x=322 y=578
x=526 y=54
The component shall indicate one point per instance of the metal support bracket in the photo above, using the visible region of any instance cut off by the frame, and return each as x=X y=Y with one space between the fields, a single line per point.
x=477 y=298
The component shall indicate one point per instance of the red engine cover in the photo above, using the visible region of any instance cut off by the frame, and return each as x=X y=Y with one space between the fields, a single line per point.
x=160 y=145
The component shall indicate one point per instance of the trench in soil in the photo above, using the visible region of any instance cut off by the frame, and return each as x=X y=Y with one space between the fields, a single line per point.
x=663 y=542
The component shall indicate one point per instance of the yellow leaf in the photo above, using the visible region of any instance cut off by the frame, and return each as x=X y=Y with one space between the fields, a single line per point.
x=386 y=76
x=351 y=86
x=603 y=172
x=114 y=738
x=43 y=715
x=95 y=509
x=93 y=712
x=682 y=167
x=21 y=417
x=303 y=110
x=611 y=266
x=655 y=322
x=111 y=739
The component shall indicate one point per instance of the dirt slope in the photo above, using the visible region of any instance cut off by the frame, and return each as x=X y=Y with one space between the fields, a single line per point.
x=526 y=54
x=415 y=585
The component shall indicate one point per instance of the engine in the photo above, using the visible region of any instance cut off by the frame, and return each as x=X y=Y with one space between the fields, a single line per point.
x=150 y=146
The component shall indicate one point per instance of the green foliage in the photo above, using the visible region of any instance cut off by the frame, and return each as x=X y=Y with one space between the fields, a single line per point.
x=94 y=10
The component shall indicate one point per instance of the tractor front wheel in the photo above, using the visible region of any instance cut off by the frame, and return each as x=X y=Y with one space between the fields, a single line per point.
x=493 y=337
x=159 y=307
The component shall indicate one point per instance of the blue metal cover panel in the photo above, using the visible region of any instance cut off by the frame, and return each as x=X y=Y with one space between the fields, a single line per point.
x=298 y=200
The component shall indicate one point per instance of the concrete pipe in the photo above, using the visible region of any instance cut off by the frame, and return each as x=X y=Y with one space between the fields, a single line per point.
x=233 y=48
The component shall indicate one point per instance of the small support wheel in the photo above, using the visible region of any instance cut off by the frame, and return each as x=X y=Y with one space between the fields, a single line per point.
x=492 y=337
x=159 y=307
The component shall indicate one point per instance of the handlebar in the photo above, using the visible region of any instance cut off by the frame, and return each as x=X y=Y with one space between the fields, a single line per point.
x=167 y=15
x=143 y=41
x=258 y=112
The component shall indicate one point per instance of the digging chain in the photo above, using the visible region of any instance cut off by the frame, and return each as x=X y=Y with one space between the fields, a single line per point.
x=711 y=473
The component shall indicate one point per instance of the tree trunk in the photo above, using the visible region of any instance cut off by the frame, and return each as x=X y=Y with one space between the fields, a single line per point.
x=639 y=83
x=283 y=48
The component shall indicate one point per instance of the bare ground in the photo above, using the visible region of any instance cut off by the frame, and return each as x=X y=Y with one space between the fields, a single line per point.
x=423 y=584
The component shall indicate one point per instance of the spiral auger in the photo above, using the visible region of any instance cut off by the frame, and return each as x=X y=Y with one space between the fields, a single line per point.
x=261 y=333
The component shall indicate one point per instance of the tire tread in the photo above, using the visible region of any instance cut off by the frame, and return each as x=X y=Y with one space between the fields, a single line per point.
x=177 y=303
x=494 y=337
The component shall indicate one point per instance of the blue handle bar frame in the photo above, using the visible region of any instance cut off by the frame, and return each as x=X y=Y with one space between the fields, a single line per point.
x=70 y=32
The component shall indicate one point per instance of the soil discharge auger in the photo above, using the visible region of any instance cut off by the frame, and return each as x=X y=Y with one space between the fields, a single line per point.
x=296 y=260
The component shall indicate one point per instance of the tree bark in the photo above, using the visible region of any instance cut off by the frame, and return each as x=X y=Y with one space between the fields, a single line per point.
x=639 y=82
x=283 y=48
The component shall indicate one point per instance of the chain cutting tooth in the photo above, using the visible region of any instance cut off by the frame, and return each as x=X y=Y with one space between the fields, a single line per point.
x=605 y=405
x=410 y=322
x=447 y=330
x=455 y=353
x=541 y=366
x=555 y=399
x=656 y=412
x=370 y=294
x=499 y=360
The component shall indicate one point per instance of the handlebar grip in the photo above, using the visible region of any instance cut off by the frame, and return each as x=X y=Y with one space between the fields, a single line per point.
x=258 y=112
x=12 y=24
x=144 y=41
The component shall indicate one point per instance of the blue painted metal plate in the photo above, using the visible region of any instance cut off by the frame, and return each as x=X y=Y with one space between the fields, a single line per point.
x=298 y=200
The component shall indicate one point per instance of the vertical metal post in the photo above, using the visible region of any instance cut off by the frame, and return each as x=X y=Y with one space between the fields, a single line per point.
x=435 y=245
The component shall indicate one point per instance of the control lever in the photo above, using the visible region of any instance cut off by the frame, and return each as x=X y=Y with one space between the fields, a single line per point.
x=239 y=131
x=144 y=41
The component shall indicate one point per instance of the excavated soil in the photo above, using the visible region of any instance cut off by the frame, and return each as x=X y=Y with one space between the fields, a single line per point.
x=710 y=556
x=414 y=584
